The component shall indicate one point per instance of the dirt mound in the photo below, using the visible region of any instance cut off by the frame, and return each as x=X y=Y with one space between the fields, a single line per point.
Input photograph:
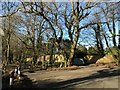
x=106 y=59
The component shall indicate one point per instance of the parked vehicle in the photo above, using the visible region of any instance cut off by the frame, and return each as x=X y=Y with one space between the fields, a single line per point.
x=78 y=61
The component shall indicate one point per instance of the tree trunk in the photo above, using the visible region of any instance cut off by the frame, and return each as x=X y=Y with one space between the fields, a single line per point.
x=101 y=47
x=33 y=41
x=51 y=55
x=103 y=32
x=73 y=46
x=69 y=62
x=97 y=40
x=34 y=58
x=76 y=35
x=114 y=34
x=8 y=40
x=99 y=28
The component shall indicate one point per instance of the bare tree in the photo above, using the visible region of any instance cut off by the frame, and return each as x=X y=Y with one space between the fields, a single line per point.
x=51 y=15
x=78 y=12
x=33 y=27
x=98 y=37
x=9 y=9
x=72 y=18
x=110 y=13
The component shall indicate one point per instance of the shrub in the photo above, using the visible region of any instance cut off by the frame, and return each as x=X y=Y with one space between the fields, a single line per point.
x=115 y=51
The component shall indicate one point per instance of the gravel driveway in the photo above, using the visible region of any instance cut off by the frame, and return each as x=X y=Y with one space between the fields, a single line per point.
x=86 y=77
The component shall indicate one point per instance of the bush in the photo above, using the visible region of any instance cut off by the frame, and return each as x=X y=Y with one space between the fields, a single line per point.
x=115 y=51
x=31 y=70
x=57 y=64
x=80 y=51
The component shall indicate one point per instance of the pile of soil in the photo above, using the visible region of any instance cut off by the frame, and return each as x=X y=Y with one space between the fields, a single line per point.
x=106 y=59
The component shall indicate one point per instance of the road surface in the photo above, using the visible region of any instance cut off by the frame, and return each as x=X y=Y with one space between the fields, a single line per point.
x=87 y=77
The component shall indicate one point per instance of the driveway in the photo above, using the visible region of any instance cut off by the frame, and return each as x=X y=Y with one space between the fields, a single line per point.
x=86 y=77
